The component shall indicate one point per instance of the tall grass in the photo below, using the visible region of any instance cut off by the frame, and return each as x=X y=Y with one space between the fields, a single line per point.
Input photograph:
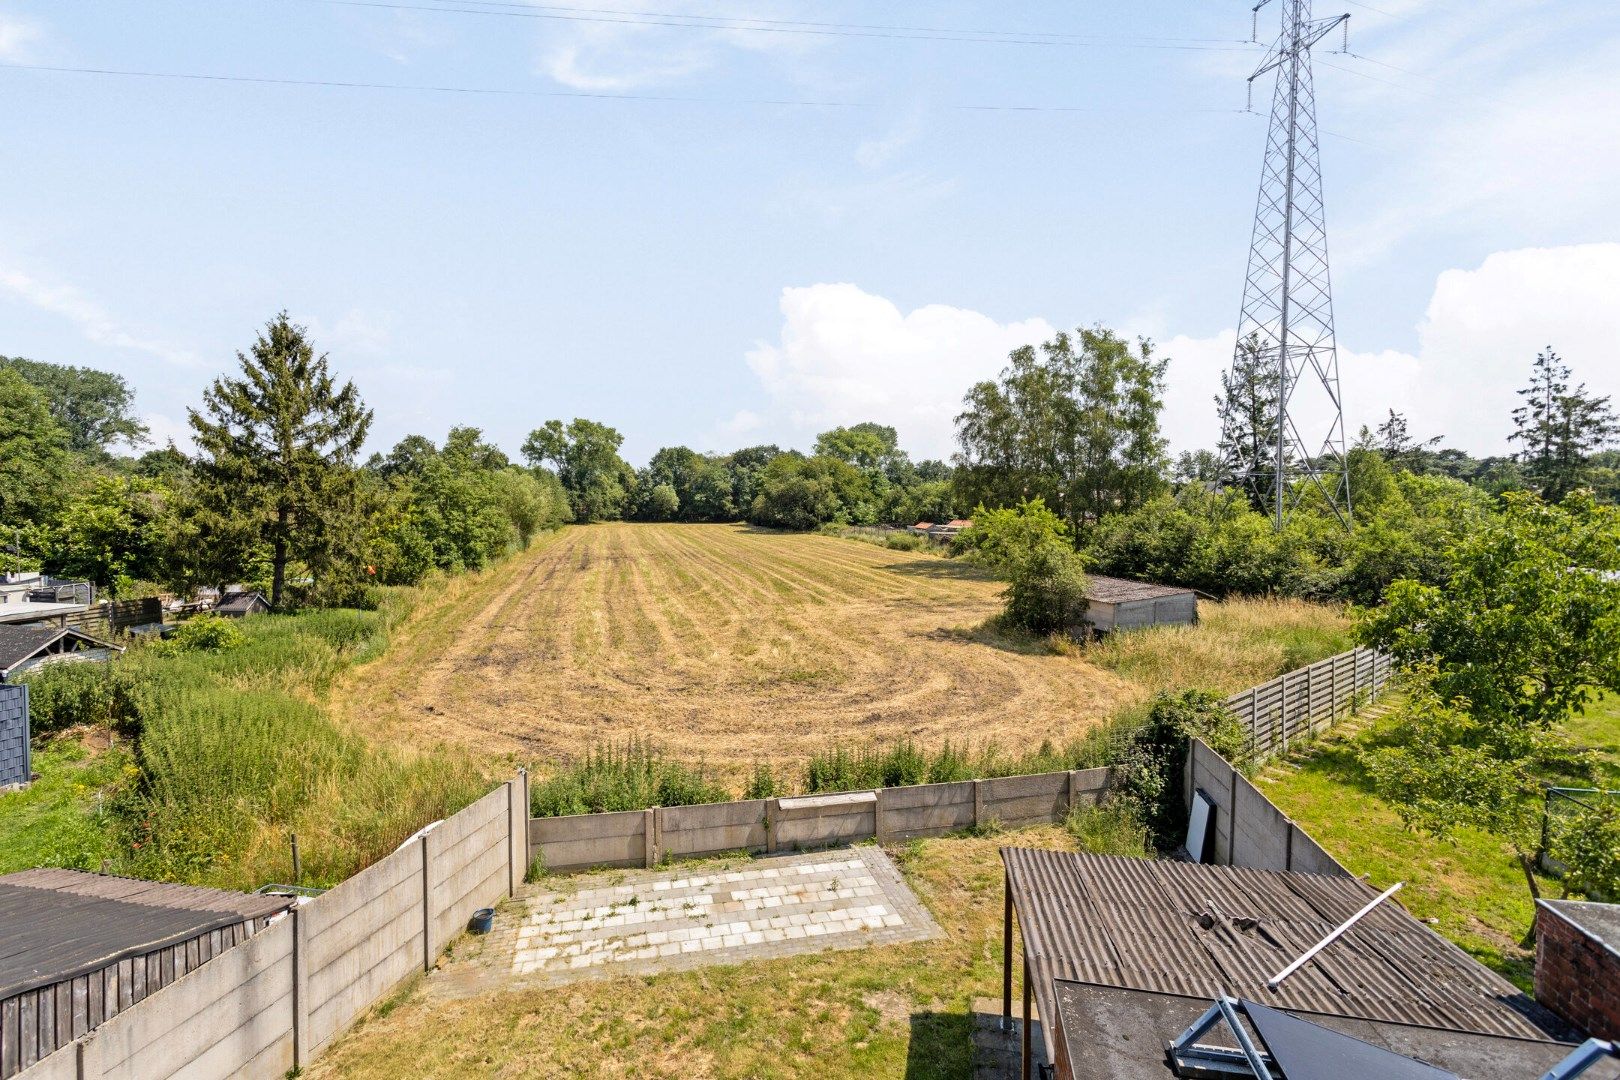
x=857 y=769
x=235 y=753
x=629 y=777
x=893 y=539
x=1236 y=644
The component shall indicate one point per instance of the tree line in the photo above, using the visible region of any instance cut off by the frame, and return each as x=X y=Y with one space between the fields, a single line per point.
x=276 y=494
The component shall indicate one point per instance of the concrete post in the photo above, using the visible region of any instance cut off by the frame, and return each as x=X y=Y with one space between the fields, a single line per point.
x=429 y=949
x=87 y=1058
x=300 y=989
x=1074 y=789
x=771 y=808
x=511 y=839
x=650 y=827
x=978 y=803
x=877 y=815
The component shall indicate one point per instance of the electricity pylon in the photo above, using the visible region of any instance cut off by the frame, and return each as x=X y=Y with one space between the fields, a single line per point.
x=1287 y=317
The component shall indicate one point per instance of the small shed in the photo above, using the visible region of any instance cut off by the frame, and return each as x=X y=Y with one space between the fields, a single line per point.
x=34 y=645
x=950 y=528
x=238 y=604
x=1120 y=604
x=79 y=948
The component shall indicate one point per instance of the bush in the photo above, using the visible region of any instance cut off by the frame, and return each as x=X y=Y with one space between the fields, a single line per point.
x=61 y=696
x=1029 y=547
x=1151 y=764
x=1590 y=851
x=632 y=777
x=206 y=633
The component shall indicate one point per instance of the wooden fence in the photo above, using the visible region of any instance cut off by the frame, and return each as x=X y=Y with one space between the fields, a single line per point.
x=271 y=1004
x=1302 y=701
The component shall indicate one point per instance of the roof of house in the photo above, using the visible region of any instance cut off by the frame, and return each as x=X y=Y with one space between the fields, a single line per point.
x=20 y=643
x=24 y=611
x=58 y=924
x=1111 y=1033
x=1200 y=931
x=241 y=601
x=1113 y=590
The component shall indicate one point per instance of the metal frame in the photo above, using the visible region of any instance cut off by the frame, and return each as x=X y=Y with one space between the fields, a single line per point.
x=1287 y=295
x=1583 y=1057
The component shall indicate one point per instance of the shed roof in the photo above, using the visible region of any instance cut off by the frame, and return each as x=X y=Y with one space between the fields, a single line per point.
x=243 y=602
x=1200 y=931
x=1113 y=590
x=20 y=643
x=1118 y=1034
x=59 y=924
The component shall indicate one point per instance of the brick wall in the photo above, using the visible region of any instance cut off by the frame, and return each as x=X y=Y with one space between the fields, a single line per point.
x=1576 y=974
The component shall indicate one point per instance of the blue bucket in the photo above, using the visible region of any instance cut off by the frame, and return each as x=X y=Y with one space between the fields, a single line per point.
x=482 y=920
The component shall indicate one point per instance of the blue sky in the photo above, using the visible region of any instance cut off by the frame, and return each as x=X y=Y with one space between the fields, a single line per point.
x=718 y=271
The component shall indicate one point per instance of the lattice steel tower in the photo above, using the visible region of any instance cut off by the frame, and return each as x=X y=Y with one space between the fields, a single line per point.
x=1292 y=428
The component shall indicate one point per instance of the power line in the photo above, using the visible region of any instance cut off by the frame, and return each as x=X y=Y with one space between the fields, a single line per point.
x=757 y=26
x=839 y=25
x=587 y=94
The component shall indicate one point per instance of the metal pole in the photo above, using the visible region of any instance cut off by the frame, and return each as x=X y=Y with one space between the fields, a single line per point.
x=1006 y=955
x=1028 y=991
x=1273 y=982
x=1292 y=32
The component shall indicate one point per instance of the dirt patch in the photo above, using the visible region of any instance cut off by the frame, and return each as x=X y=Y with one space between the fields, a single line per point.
x=719 y=643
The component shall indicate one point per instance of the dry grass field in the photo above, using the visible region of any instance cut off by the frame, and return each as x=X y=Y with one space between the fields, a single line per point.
x=734 y=645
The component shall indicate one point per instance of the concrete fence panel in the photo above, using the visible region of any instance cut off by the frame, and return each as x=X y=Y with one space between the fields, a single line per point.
x=469 y=865
x=232 y=1017
x=818 y=821
x=358 y=941
x=1025 y=800
x=924 y=810
x=712 y=828
x=1250 y=830
x=579 y=841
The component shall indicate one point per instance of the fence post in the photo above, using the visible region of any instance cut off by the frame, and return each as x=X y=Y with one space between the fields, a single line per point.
x=649 y=818
x=978 y=803
x=300 y=989
x=771 y=809
x=427 y=903
x=877 y=815
x=1254 y=719
x=511 y=839
x=1074 y=789
x=1285 y=710
x=87 y=1058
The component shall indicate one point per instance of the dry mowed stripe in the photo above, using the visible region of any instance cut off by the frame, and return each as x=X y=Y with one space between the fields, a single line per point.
x=721 y=643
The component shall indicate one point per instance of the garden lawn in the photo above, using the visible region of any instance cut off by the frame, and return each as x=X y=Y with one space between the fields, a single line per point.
x=61 y=819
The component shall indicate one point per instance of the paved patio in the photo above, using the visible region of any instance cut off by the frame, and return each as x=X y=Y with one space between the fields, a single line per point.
x=646 y=921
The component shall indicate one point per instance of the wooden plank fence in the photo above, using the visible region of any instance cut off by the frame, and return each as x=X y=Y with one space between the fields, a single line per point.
x=1309 y=699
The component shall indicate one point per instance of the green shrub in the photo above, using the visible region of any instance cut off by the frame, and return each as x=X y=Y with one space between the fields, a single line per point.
x=632 y=777
x=206 y=633
x=1151 y=763
x=61 y=696
x=763 y=784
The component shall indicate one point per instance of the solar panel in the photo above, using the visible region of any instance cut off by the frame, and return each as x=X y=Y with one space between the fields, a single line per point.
x=1307 y=1051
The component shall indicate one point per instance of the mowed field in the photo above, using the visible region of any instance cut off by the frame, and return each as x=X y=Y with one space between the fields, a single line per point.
x=722 y=643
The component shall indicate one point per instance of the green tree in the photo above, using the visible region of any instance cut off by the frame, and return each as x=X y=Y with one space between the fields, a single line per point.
x=1029 y=547
x=1248 y=408
x=277 y=448
x=1559 y=429
x=111 y=530
x=662 y=503
x=868 y=446
x=33 y=452
x=586 y=456
x=1445 y=765
x=1526 y=627
x=796 y=492
x=1075 y=423
x=95 y=408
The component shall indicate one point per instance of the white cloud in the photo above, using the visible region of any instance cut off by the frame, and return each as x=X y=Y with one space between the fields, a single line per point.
x=847 y=356
x=93 y=321
x=162 y=429
x=1478 y=337
x=618 y=56
x=15 y=36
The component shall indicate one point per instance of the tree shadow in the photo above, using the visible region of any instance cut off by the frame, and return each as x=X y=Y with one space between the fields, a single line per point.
x=940 y=569
x=941 y=1046
x=992 y=636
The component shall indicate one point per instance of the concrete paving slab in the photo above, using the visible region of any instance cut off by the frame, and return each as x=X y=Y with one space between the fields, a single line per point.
x=639 y=922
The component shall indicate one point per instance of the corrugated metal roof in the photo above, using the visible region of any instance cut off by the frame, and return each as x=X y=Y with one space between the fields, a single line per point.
x=58 y=924
x=1113 y=590
x=1198 y=930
